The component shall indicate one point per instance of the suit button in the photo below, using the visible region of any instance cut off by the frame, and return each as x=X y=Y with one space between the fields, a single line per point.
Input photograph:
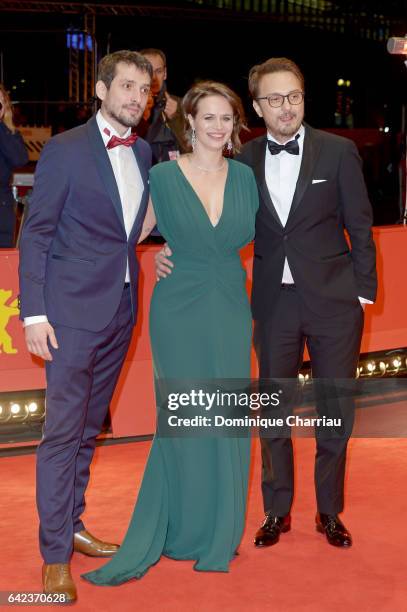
x=285 y=237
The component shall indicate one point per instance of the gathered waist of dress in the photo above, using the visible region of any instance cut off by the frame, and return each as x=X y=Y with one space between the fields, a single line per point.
x=206 y=261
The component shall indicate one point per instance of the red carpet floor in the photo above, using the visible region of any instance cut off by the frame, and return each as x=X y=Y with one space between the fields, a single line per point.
x=301 y=573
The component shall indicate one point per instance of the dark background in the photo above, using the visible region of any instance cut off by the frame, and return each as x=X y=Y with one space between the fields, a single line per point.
x=206 y=42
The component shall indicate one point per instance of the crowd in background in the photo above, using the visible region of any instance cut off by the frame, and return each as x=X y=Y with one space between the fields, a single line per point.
x=162 y=126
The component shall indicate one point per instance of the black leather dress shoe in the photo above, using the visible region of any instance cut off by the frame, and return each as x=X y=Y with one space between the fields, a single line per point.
x=269 y=532
x=335 y=531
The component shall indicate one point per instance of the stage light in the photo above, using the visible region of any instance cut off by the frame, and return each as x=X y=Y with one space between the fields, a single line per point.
x=383 y=367
x=347 y=83
x=32 y=407
x=35 y=411
x=396 y=45
x=340 y=82
x=389 y=363
x=386 y=130
x=15 y=409
x=4 y=414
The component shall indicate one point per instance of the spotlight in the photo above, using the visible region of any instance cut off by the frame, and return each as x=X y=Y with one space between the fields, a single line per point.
x=19 y=412
x=383 y=367
x=396 y=45
x=4 y=413
x=35 y=411
x=32 y=407
x=371 y=366
x=15 y=409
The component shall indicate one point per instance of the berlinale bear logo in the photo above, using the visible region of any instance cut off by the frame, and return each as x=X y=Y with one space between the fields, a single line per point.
x=6 y=312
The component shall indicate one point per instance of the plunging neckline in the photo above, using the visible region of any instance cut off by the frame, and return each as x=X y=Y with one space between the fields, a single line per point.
x=214 y=227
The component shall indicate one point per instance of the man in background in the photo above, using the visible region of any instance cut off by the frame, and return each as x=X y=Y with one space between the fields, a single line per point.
x=165 y=123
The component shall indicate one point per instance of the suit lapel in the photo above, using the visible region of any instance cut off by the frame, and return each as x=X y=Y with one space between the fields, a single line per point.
x=104 y=167
x=259 y=160
x=310 y=154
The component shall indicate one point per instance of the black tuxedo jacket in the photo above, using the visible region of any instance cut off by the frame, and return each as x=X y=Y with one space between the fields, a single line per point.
x=329 y=274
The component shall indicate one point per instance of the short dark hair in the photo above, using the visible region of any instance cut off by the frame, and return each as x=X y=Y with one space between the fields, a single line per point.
x=108 y=63
x=274 y=64
x=153 y=51
x=204 y=89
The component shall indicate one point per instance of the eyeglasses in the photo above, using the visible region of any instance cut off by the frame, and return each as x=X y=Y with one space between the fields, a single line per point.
x=276 y=100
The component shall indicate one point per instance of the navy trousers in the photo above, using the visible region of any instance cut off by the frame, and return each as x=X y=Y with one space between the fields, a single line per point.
x=80 y=383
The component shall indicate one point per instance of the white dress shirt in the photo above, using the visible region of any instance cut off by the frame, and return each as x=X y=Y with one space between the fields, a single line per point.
x=129 y=183
x=281 y=172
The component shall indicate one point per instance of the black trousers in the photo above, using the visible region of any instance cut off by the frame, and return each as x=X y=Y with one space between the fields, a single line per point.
x=7 y=224
x=333 y=343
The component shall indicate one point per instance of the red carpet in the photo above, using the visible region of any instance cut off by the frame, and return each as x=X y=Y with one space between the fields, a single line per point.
x=301 y=573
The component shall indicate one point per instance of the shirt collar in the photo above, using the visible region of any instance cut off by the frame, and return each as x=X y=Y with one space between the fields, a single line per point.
x=105 y=125
x=301 y=132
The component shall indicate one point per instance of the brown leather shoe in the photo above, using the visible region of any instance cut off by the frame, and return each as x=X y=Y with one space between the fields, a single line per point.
x=57 y=579
x=85 y=543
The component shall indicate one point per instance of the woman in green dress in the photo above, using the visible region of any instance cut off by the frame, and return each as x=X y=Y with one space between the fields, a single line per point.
x=192 y=500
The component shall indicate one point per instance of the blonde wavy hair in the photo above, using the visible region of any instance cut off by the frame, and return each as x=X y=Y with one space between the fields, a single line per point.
x=6 y=112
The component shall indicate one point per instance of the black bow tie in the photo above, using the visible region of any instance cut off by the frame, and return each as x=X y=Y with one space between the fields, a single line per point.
x=291 y=147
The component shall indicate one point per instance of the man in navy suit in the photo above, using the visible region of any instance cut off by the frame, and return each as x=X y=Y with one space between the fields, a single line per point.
x=78 y=292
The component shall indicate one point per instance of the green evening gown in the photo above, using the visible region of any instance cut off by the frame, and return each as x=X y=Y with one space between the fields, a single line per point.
x=192 y=500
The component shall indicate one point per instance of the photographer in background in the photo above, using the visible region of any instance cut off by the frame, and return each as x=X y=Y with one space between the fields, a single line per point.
x=165 y=122
x=13 y=154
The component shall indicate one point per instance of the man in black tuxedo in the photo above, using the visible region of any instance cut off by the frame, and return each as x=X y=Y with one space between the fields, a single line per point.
x=309 y=285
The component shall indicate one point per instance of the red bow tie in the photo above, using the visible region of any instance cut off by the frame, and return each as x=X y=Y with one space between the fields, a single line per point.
x=115 y=141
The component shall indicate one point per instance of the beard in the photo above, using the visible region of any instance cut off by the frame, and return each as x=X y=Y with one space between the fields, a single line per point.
x=290 y=129
x=126 y=120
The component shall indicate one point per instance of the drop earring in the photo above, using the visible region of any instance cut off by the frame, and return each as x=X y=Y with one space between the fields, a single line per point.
x=193 y=139
x=229 y=147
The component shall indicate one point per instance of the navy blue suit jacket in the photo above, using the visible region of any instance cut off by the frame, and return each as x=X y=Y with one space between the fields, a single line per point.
x=74 y=248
